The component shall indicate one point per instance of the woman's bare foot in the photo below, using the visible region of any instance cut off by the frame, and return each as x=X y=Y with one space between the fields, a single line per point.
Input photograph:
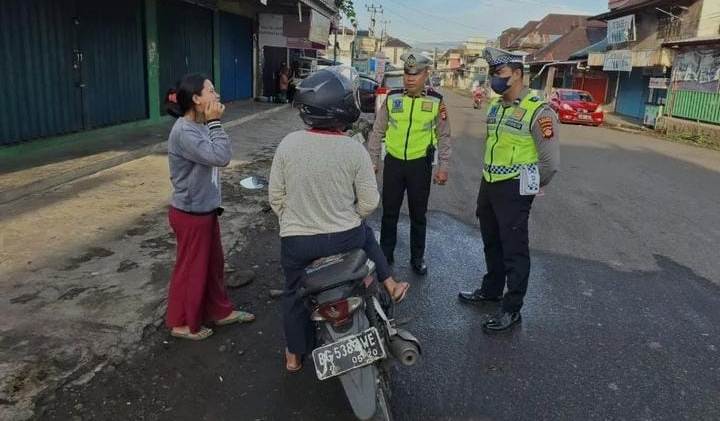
x=293 y=362
x=185 y=333
x=397 y=290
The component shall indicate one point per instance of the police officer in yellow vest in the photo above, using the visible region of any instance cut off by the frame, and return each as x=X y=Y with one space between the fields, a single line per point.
x=414 y=123
x=521 y=157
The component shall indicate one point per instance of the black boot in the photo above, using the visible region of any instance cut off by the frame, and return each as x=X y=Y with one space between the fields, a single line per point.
x=419 y=266
x=501 y=322
x=477 y=297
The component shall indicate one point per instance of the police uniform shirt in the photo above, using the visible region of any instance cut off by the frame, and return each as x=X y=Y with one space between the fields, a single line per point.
x=442 y=128
x=545 y=133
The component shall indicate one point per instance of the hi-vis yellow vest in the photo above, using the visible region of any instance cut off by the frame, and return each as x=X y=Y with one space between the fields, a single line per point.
x=411 y=124
x=510 y=144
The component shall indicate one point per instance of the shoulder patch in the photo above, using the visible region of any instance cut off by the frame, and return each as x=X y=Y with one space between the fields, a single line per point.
x=546 y=126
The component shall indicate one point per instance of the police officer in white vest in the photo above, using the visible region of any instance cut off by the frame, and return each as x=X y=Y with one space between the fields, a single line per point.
x=521 y=157
x=414 y=123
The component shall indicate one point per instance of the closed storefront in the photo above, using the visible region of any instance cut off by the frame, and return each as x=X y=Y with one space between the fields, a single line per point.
x=185 y=37
x=236 y=57
x=594 y=82
x=70 y=65
x=633 y=94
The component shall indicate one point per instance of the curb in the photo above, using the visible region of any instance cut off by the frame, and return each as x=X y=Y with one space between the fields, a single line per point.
x=84 y=171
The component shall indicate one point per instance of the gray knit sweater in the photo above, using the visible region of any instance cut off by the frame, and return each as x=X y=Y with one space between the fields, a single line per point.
x=321 y=184
x=195 y=151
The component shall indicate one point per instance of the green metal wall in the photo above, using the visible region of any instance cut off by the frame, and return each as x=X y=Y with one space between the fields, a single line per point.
x=111 y=39
x=70 y=65
x=185 y=40
x=40 y=97
x=692 y=105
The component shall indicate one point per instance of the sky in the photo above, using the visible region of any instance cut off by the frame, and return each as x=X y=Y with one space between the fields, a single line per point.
x=417 y=21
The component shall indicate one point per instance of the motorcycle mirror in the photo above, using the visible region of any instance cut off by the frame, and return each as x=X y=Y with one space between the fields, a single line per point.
x=253 y=183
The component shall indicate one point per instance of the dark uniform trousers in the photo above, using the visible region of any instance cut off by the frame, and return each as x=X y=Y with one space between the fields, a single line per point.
x=414 y=176
x=503 y=215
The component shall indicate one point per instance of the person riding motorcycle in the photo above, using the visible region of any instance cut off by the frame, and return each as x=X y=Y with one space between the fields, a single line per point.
x=322 y=187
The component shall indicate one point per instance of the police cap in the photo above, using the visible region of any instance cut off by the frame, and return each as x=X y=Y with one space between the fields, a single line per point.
x=496 y=57
x=415 y=63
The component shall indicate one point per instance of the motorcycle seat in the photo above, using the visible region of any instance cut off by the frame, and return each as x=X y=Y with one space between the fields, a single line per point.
x=328 y=272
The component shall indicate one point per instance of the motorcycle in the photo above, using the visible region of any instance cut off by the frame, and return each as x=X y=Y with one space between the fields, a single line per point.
x=479 y=96
x=358 y=338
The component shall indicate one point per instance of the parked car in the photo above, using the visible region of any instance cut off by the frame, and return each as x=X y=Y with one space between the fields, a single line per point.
x=391 y=80
x=576 y=106
x=368 y=93
x=394 y=80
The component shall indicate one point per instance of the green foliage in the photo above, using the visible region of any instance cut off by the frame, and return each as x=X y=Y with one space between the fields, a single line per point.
x=347 y=9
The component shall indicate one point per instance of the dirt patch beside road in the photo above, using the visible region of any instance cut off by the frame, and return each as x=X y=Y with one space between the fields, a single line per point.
x=84 y=268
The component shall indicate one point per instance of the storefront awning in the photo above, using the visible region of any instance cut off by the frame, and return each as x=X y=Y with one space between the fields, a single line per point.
x=692 y=41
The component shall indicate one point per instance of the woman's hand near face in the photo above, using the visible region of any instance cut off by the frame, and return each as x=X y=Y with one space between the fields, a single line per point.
x=214 y=110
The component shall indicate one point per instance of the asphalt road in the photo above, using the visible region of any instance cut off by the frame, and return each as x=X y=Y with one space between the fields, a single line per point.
x=621 y=321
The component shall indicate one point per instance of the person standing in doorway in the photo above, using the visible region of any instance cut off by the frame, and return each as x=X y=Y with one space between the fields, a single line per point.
x=414 y=124
x=197 y=147
x=521 y=156
x=283 y=82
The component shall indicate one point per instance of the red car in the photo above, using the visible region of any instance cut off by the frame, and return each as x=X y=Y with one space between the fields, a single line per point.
x=579 y=107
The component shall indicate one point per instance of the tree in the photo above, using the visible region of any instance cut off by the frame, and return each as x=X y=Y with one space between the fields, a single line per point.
x=347 y=9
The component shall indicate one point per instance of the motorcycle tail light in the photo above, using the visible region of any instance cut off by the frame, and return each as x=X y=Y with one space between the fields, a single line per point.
x=337 y=312
x=381 y=91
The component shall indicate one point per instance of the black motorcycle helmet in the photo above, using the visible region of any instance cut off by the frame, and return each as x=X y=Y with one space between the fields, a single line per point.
x=328 y=98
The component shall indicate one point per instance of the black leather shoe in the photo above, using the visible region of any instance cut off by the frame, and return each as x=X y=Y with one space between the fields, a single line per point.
x=477 y=297
x=419 y=267
x=501 y=322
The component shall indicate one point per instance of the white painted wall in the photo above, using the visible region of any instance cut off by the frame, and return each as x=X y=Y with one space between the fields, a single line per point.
x=710 y=19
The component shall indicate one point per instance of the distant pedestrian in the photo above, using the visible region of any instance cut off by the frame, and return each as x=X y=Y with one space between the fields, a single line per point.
x=283 y=82
x=522 y=154
x=197 y=147
x=294 y=80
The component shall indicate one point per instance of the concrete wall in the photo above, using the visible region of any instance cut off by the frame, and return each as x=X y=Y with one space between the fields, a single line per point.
x=680 y=127
x=393 y=55
x=709 y=19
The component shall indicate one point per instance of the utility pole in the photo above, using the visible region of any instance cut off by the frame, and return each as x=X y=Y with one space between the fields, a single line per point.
x=335 y=45
x=435 y=59
x=373 y=10
x=384 y=33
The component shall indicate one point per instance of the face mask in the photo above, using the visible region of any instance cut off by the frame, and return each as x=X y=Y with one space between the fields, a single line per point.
x=500 y=84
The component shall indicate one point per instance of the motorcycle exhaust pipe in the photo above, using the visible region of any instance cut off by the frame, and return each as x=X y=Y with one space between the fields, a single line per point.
x=405 y=351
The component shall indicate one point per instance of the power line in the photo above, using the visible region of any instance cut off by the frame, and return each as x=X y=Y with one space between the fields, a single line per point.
x=401 y=16
x=421 y=11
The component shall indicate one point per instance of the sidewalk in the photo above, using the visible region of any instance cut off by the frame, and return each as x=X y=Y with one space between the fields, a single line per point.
x=84 y=266
x=624 y=123
x=38 y=165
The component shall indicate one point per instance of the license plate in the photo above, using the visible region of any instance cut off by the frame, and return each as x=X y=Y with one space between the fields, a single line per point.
x=348 y=353
x=585 y=117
